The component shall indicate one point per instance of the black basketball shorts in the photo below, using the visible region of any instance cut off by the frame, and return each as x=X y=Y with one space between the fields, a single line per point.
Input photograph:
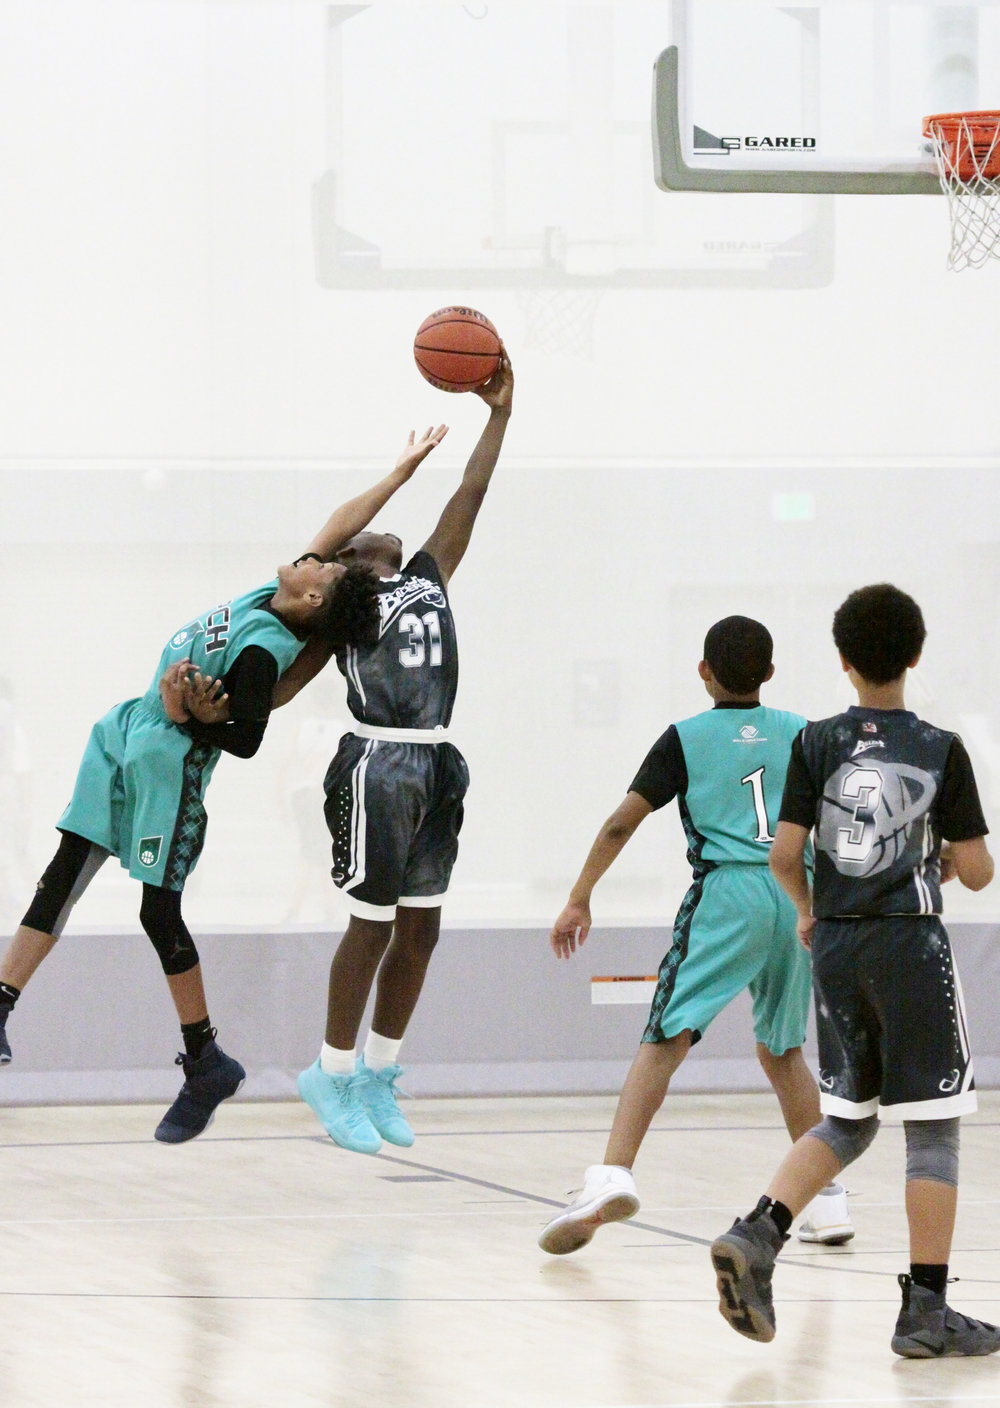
x=890 y=1021
x=394 y=811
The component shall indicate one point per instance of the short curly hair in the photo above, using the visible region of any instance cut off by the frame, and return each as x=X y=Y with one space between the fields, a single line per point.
x=738 y=652
x=880 y=631
x=351 y=613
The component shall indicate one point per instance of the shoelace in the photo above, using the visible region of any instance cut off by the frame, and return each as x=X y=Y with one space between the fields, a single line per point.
x=353 y=1111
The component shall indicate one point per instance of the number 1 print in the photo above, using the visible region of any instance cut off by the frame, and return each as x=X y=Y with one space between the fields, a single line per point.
x=756 y=781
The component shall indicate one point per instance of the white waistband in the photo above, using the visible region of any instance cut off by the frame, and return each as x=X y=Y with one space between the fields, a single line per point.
x=400 y=735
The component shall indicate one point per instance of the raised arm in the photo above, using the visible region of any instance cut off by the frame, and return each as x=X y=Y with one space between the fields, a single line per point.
x=357 y=513
x=450 y=538
x=305 y=667
x=573 y=925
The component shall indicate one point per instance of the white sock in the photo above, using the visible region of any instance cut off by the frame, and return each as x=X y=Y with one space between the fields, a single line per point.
x=336 y=1062
x=381 y=1051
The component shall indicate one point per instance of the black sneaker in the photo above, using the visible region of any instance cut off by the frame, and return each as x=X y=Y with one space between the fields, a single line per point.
x=744 y=1260
x=928 y=1328
x=5 y=1011
x=209 y=1080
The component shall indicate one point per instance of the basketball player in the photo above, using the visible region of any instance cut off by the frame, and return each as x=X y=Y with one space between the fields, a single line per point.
x=138 y=794
x=879 y=789
x=394 y=795
x=734 y=929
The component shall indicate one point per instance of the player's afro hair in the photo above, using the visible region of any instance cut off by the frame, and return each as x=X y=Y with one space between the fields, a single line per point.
x=738 y=652
x=880 y=631
x=351 y=616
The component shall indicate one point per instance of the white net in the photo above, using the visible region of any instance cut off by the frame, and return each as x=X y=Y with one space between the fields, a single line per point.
x=967 y=151
x=560 y=320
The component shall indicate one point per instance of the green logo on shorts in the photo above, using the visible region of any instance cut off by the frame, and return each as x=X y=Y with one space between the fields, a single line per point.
x=149 y=849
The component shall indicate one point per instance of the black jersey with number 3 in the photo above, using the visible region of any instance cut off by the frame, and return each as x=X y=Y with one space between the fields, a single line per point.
x=882 y=789
x=409 y=677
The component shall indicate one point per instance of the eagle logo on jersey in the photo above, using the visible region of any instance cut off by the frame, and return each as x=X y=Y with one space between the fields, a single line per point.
x=875 y=815
x=391 y=604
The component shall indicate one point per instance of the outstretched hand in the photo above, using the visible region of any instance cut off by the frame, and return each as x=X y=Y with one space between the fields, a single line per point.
x=417 y=450
x=570 y=930
x=498 y=393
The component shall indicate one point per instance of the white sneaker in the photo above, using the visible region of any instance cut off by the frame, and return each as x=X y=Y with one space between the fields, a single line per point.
x=608 y=1196
x=827 y=1219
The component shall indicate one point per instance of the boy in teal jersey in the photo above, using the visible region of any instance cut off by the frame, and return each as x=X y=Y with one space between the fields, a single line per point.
x=139 y=791
x=735 y=928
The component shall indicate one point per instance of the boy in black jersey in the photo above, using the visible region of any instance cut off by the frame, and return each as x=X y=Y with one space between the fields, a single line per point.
x=894 y=811
x=394 y=806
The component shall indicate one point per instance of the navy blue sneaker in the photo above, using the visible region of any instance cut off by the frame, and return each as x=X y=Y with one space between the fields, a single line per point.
x=5 y=1011
x=209 y=1080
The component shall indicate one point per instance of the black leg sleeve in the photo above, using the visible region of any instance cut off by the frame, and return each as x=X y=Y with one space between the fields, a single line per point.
x=160 y=916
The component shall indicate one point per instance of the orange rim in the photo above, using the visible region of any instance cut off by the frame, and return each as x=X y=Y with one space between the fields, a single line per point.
x=970 y=141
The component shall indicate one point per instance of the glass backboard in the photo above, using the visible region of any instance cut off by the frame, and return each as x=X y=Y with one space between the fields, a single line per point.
x=823 y=96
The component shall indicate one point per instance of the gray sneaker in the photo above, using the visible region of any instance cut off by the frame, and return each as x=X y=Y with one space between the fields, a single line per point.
x=928 y=1328
x=744 y=1260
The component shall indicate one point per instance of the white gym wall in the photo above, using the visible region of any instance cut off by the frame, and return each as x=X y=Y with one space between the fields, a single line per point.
x=183 y=402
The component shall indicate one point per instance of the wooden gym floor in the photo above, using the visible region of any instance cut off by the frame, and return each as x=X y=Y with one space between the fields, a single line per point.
x=262 y=1267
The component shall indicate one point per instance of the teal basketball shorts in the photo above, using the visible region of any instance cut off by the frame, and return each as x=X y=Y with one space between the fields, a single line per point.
x=734 y=930
x=139 y=791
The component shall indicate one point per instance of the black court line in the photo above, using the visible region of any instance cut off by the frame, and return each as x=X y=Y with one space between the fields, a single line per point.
x=410 y=1300
x=432 y=1134
x=809 y=1261
x=529 y=1197
x=806 y=1261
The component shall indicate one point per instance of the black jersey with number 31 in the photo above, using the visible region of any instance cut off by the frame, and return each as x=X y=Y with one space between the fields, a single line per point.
x=409 y=678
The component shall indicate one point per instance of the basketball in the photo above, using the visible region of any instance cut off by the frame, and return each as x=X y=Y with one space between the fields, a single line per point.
x=457 y=349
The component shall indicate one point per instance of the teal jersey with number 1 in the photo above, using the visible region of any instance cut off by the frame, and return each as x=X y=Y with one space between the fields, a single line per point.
x=736 y=762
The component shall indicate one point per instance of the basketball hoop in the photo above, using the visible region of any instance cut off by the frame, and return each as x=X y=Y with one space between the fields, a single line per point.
x=967 y=150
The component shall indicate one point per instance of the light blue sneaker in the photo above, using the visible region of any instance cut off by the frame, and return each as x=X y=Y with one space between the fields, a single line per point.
x=336 y=1102
x=378 y=1094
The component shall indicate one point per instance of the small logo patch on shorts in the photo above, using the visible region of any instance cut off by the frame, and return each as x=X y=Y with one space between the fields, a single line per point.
x=149 y=850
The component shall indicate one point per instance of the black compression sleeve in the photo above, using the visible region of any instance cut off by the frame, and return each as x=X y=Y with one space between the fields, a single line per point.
x=249 y=684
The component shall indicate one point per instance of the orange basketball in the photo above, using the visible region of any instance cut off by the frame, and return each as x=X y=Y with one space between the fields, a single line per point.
x=457 y=349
